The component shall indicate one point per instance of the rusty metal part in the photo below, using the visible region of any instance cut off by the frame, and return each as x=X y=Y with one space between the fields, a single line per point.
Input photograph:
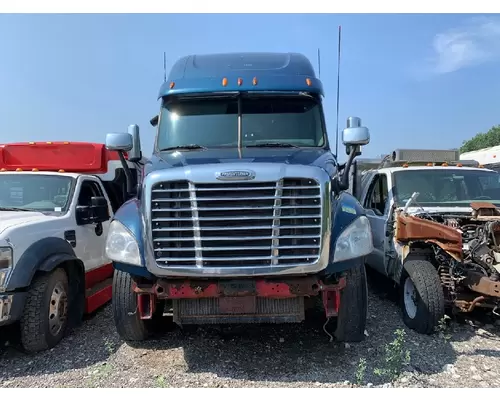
x=284 y=288
x=475 y=302
x=146 y=305
x=482 y=210
x=482 y=284
x=467 y=306
x=411 y=228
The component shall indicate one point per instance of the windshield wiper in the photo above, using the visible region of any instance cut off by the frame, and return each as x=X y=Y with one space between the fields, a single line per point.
x=272 y=144
x=184 y=147
x=14 y=209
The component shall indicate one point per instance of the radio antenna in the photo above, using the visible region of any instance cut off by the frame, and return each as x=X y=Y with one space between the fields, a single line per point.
x=338 y=96
x=319 y=65
x=164 y=66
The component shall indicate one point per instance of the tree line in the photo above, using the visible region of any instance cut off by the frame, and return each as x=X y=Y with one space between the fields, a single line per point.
x=482 y=140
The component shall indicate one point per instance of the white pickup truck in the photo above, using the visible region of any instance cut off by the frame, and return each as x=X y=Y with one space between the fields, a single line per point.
x=56 y=203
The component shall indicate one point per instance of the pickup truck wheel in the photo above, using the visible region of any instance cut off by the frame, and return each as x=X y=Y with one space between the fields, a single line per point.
x=351 y=321
x=44 y=319
x=422 y=297
x=128 y=324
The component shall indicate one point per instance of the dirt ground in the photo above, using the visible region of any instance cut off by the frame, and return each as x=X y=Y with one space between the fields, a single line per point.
x=463 y=354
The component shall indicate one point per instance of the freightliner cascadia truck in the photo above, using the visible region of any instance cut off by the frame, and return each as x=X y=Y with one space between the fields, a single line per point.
x=243 y=214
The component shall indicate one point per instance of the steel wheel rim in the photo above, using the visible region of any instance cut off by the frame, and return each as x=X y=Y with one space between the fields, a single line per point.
x=410 y=298
x=58 y=309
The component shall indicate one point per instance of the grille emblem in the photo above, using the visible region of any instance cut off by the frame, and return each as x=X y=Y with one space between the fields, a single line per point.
x=242 y=175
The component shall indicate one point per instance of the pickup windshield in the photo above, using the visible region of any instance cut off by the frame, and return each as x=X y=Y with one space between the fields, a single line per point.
x=447 y=187
x=265 y=120
x=46 y=193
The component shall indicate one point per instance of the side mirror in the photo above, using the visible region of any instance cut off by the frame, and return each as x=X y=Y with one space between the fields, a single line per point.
x=99 y=209
x=349 y=148
x=83 y=215
x=135 y=154
x=97 y=212
x=119 y=141
x=355 y=134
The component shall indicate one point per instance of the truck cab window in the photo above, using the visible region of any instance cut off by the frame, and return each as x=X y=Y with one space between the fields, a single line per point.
x=213 y=122
x=379 y=193
x=46 y=193
x=88 y=190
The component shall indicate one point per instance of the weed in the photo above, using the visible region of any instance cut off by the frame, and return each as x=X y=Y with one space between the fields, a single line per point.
x=396 y=357
x=110 y=346
x=360 y=371
x=101 y=371
x=442 y=328
x=160 y=382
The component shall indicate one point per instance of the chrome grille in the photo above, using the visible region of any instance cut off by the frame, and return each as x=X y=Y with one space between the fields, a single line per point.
x=243 y=224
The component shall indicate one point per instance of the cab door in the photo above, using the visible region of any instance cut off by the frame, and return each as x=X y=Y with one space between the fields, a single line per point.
x=377 y=205
x=90 y=237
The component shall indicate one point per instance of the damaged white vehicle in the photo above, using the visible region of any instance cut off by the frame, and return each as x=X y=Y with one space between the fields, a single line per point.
x=436 y=230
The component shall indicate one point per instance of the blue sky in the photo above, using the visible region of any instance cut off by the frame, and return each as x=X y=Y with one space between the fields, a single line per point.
x=421 y=81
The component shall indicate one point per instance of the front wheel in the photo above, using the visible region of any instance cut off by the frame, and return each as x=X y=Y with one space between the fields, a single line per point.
x=45 y=316
x=351 y=321
x=129 y=325
x=422 y=297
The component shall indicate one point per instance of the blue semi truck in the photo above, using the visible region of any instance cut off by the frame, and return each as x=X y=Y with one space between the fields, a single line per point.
x=243 y=213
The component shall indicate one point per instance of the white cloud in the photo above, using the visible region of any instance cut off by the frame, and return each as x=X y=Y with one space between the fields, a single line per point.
x=474 y=43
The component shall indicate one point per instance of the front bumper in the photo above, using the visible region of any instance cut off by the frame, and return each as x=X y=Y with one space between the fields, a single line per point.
x=11 y=307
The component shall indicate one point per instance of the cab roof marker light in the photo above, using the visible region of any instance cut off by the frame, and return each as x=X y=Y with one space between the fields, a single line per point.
x=254 y=81
x=308 y=82
x=224 y=81
x=240 y=81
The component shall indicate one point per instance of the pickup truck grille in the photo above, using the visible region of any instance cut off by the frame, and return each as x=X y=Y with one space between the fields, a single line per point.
x=243 y=224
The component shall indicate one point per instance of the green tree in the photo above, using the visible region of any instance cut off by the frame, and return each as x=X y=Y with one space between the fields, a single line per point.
x=482 y=140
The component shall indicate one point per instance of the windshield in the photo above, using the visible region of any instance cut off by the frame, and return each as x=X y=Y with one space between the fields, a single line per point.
x=447 y=187
x=213 y=122
x=35 y=192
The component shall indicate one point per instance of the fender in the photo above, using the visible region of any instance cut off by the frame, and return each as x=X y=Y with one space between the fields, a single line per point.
x=129 y=214
x=345 y=209
x=42 y=255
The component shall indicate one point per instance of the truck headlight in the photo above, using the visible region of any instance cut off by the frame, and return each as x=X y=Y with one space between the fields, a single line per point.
x=5 y=266
x=121 y=245
x=355 y=241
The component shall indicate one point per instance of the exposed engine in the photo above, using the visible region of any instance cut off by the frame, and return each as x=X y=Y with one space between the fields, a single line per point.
x=480 y=255
x=481 y=245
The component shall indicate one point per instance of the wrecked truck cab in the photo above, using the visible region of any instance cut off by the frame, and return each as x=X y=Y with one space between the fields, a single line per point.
x=241 y=216
x=434 y=221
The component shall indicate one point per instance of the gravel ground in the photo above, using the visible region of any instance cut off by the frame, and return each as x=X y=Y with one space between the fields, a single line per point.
x=465 y=354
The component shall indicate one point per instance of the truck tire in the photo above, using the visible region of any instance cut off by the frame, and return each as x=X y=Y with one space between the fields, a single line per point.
x=422 y=297
x=128 y=324
x=351 y=321
x=45 y=315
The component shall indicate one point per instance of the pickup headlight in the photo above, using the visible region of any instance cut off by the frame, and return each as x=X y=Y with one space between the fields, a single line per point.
x=5 y=266
x=121 y=245
x=355 y=241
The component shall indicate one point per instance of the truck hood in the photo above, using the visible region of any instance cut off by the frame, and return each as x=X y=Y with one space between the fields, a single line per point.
x=174 y=159
x=10 y=219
